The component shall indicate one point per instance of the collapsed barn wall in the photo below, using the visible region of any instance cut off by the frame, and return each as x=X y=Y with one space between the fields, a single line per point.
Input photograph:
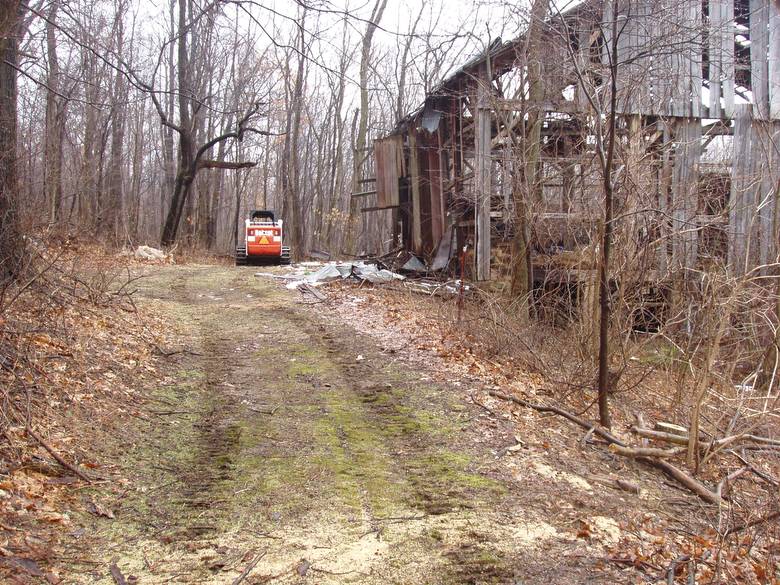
x=691 y=77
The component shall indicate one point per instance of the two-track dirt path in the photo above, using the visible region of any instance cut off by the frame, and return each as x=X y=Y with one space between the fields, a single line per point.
x=272 y=439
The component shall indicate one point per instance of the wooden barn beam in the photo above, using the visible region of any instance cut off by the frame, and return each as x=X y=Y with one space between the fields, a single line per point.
x=482 y=147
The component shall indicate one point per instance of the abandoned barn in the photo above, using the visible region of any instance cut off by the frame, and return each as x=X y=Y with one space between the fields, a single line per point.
x=697 y=158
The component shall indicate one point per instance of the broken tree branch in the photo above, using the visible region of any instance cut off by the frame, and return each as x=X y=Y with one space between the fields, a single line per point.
x=223 y=164
x=677 y=474
x=116 y=574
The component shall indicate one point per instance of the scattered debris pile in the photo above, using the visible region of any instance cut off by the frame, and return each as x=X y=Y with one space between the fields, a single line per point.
x=398 y=268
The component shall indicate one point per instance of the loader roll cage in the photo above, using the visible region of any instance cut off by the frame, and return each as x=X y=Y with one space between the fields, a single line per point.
x=259 y=215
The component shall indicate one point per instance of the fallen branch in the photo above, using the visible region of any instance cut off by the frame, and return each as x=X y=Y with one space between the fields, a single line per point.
x=260 y=411
x=645 y=451
x=765 y=476
x=683 y=439
x=604 y=434
x=724 y=487
x=166 y=353
x=116 y=574
x=752 y=523
x=683 y=478
x=677 y=474
x=660 y=436
x=57 y=456
x=248 y=569
x=307 y=288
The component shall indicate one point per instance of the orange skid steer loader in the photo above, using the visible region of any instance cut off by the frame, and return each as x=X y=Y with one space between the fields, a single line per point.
x=262 y=240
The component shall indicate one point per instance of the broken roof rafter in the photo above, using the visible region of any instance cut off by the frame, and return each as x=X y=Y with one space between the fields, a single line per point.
x=501 y=56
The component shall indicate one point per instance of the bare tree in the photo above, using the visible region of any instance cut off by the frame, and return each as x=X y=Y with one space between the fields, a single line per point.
x=361 y=137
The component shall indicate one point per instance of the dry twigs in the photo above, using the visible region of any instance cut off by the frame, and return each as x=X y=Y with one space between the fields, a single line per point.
x=57 y=456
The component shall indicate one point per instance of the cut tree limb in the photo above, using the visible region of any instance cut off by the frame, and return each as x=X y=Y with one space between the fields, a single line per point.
x=223 y=164
x=677 y=474
x=116 y=574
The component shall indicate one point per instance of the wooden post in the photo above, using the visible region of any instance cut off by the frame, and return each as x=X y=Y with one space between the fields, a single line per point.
x=664 y=186
x=766 y=165
x=482 y=178
x=414 y=167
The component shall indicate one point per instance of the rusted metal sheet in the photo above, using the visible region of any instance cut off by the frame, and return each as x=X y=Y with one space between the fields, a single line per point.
x=388 y=155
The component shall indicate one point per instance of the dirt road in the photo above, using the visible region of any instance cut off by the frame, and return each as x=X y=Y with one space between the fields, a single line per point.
x=288 y=448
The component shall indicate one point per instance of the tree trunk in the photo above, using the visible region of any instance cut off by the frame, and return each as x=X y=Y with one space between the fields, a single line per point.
x=291 y=180
x=606 y=242
x=184 y=175
x=113 y=217
x=11 y=246
x=55 y=125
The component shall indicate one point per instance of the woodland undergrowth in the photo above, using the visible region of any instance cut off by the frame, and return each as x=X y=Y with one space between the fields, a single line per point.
x=74 y=351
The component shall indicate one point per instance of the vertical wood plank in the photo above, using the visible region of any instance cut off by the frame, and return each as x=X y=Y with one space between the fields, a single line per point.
x=482 y=178
x=414 y=164
x=727 y=58
x=695 y=46
x=774 y=59
x=661 y=66
x=680 y=67
x=716 y=57
x=739 y=208
x=685 y=194
x=664 y=185
x=766 y=159
x=759 y=51
x=583 y=62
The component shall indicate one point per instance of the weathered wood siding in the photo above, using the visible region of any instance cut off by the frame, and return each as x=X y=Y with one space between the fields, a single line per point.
x=685 y=193
x=388 y=157
x=721 y=55
x=753 y=229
